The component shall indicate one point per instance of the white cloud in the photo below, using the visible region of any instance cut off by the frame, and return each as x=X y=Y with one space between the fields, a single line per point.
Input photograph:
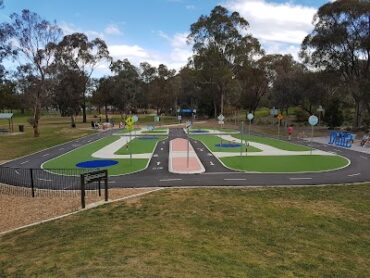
x=279 y=26
x=68 y=29
x=112 y=29
x=190 y=7
x=122 y=51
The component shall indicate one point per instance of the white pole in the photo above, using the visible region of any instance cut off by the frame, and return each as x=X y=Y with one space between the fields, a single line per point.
x=311 y=138
x=187 y=159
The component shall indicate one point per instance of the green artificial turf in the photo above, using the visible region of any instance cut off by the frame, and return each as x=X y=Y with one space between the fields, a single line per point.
x=69 y=160
x=139 y=146
x=211 y=140
x=273 y=232
x=298 y=163
x=280 y=144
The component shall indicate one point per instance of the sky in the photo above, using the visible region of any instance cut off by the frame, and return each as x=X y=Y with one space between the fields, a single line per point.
x=155 y=30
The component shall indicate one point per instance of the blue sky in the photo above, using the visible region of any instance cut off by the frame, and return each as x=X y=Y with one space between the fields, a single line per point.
x=155 y=30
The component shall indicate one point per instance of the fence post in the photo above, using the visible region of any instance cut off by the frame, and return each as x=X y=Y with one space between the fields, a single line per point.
x=32 y=184
x=106 y=185
x=99 y=187
x=82 y=191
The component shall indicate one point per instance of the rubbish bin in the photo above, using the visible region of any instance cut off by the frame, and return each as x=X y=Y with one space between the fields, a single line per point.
x=21 y=128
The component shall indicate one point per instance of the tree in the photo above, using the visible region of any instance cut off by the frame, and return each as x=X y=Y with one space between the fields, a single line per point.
x=340 y=42
x=126 y=87
x=215 y=41
x=103 y=96
x=26 y=37
x=78 y=53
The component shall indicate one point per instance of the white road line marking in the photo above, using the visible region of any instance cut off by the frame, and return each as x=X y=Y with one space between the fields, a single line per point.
x=158 y=162
x=338 y=150
x=161 y=149
x=211 y=163
x=209 y=154
x=17 y=172
x=363 y=157
x=171 y=180
x=155 y=155
x=234 y=179
x=44 y=180
x=352 y=175
x=45 y=155
x=24 y=162
x=293 y=179
x=88 y=141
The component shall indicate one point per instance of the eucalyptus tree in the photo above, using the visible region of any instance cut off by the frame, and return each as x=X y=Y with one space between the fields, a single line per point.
x=215 y=41
x=80 y=54
x=126 y=85
x=25 y=38
x=103 y=95
x=340 y=42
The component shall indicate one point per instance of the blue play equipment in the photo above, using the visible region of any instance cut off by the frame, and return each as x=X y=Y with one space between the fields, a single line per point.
x=96 y=163
x=148 y=138
x=200 y=131
x=228 y=145
x=341 y=138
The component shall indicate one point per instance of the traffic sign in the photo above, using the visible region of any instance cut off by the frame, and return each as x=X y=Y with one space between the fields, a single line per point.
x=221 y=117
x=280 y=117
x=135 y=118
x=129 y=123
x=274 y=111
x=250 y=116
x=188 y=124
x=179 y=117
x=313 y=120
x=156 y=118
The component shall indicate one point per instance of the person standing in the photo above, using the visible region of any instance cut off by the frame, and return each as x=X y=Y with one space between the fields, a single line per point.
x=290 y=132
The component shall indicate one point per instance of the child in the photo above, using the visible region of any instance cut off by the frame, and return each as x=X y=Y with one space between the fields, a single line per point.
x=290 y=132
x=365 y=139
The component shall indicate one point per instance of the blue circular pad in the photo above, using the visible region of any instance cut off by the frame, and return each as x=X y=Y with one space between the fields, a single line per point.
x=148 y=137
x=200 y=131
x=228 y=145
x=96 y=163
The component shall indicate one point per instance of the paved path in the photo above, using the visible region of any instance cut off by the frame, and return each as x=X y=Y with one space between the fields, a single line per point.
x=216 y=174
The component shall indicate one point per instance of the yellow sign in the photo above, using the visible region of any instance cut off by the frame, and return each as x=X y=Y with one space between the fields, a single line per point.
x=129 y=123
x=280 y=117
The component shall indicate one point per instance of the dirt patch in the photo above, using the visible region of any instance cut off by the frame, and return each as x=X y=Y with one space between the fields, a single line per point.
x=18 y=208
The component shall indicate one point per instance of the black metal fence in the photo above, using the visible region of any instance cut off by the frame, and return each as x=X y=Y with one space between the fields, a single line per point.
x=34 y=182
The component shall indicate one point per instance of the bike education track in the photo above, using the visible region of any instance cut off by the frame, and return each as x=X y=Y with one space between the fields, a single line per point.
x=215 y=174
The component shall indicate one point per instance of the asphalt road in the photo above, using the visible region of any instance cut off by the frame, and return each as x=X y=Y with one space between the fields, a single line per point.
x=157 y=172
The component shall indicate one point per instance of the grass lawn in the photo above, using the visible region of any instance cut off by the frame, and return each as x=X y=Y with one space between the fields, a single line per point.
x=310 y=232
x=211 y=140
x=156 y=131
x=299 y=163
x=280 y=144
x=139 y=145
x=54 y=130
x=69 y=160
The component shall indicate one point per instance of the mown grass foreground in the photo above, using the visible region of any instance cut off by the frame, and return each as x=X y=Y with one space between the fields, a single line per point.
x=316 y=231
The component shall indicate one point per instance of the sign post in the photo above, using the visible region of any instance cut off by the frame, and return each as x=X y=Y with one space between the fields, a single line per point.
x=250 y=117
x=129 y=124
x=221 y=119
x=279 y=117
x=241 y=138
x=188 y=125
x=273 y=113
x=312 y=120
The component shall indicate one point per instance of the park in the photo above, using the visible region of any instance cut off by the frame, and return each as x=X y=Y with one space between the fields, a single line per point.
x=243 y=159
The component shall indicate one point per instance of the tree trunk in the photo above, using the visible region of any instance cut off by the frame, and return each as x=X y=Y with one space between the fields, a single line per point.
x=357 y=114
x=222 y=103
x=84 y=119
x=73 y=121
x=106 y=112
x=215 y=108
x=36 y=118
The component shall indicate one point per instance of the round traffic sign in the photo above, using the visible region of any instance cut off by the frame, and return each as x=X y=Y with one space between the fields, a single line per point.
x=313 y=120
x=250 y=116
x=221 y=117
x=135 y=118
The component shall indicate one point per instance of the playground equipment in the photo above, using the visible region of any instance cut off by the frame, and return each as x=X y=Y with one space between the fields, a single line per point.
x=342 y=139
